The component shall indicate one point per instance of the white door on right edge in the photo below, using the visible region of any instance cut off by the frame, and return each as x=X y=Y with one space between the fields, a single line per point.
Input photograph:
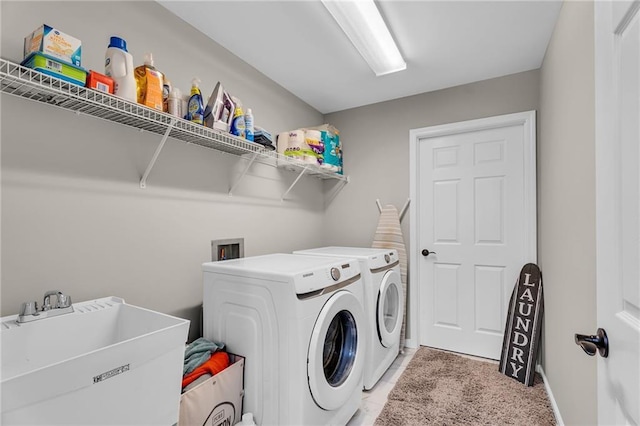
x=617 y=30
x=474 y=223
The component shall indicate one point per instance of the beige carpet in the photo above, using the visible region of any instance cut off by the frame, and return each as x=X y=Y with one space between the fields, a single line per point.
x=441 y=388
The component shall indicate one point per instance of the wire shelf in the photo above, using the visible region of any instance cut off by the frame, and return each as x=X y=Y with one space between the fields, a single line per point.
x=30 y=84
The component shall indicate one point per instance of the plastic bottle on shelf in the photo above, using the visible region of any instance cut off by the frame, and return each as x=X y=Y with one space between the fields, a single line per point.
x=175 y=102
x=118 y=64
x=166 y=92
x=248 y=125
x=237 y=122
x=149 y=82
x=195 y=106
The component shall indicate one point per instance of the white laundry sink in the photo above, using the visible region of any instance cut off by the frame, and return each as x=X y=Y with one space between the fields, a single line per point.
x=105 y=363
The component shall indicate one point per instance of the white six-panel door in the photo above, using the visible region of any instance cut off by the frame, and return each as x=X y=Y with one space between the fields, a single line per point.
x=475 y=202
x=617 y=30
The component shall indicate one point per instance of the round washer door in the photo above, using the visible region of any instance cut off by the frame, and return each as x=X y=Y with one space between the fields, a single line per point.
x=390 y=309
x=336 y=351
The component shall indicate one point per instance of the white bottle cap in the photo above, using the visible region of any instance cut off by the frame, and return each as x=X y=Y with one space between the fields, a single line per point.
x=148 y=59
x=247 y=419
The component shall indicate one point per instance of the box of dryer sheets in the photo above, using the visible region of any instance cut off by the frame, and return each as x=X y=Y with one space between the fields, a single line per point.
x=216 y=401
x=50 y=41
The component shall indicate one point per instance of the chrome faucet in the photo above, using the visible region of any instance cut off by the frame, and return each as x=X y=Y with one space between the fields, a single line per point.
x=29 y=310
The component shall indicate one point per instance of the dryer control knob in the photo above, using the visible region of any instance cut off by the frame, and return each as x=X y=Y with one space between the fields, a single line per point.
x=387 y=258
x=335 y=274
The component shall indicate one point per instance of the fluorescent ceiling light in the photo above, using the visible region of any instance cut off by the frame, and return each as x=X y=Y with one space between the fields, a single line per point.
x=362 y=23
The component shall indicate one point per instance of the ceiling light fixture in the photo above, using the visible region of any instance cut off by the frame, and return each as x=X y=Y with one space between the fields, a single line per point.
x=362 y=23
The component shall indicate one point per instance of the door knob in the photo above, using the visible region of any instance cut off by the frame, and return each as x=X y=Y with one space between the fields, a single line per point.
x=592 y=344
x=426 y=252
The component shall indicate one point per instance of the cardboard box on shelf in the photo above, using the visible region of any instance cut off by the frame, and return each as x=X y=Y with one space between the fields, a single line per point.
x=54 y=42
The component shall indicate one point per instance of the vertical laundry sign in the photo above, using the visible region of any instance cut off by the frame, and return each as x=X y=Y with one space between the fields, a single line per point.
x=523 y=327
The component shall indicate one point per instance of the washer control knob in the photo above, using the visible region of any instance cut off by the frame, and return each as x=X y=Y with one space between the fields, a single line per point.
x=387 y=258
x=335 y=274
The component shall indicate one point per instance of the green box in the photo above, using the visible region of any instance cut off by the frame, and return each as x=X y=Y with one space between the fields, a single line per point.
x=56 y=68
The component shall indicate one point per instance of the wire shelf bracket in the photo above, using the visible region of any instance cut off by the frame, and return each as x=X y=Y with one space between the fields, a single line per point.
x=244 y=172
x=293 y=184
x=143 y=180
x=27 y=83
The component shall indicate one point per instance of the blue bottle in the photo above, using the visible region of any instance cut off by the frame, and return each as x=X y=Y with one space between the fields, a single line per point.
x=195 y=107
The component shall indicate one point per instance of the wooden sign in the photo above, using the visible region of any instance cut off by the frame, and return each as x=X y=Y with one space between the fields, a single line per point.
x=524 y=324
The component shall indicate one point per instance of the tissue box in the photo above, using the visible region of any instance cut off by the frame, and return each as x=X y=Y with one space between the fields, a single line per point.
x=54 y=42
x=216 y=401
x=219 y=110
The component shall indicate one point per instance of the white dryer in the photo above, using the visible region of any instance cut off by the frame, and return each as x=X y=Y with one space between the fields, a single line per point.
x=383 y=304
x=300 y=324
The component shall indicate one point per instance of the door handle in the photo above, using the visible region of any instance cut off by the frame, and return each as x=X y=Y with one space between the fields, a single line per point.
x=591 y=344
x=426 y=252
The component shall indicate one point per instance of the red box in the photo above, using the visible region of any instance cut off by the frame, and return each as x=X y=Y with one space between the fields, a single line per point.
x=100 y=82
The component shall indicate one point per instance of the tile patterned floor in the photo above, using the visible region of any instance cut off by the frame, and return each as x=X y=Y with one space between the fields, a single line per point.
x=373 y=401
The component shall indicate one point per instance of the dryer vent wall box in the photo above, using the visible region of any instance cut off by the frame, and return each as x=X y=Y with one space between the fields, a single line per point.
x=232 y=248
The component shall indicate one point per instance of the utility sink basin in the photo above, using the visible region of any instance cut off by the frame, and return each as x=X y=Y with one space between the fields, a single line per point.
x=105 y=363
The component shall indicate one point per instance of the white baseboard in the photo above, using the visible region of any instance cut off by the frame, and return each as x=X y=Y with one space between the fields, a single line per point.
x=411 y=343
x=554 y=406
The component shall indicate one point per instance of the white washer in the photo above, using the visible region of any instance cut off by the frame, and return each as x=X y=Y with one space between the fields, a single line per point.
x=383 y=304
x=300 y=324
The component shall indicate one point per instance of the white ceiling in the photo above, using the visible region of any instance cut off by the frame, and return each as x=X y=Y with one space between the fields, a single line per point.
x=445 y=43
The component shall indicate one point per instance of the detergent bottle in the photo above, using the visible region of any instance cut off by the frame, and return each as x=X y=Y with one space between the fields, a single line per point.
x=237 y=122
x=118 y=64
x=195 y=106
x=149 y=83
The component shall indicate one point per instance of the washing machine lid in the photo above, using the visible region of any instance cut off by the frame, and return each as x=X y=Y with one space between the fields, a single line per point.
x=305 y=273
x=335 y=360
x=390 y=309
x=376 y=259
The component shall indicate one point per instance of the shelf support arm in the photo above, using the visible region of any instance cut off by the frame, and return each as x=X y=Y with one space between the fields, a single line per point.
x=246 y=169
x=404 y=208
x=143 y=181
x=294 y=183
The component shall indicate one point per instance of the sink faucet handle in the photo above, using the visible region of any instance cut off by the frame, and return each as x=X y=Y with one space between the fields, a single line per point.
x=29 y=308
x=64 y=301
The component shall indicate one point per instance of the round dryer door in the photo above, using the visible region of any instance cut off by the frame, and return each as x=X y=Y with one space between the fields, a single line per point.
x=390 y=309
x=336 y=351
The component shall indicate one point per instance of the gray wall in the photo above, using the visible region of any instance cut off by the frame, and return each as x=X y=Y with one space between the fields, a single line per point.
x=566 y=210
x=376 y=147
x=74 y=218
x=73 y=215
